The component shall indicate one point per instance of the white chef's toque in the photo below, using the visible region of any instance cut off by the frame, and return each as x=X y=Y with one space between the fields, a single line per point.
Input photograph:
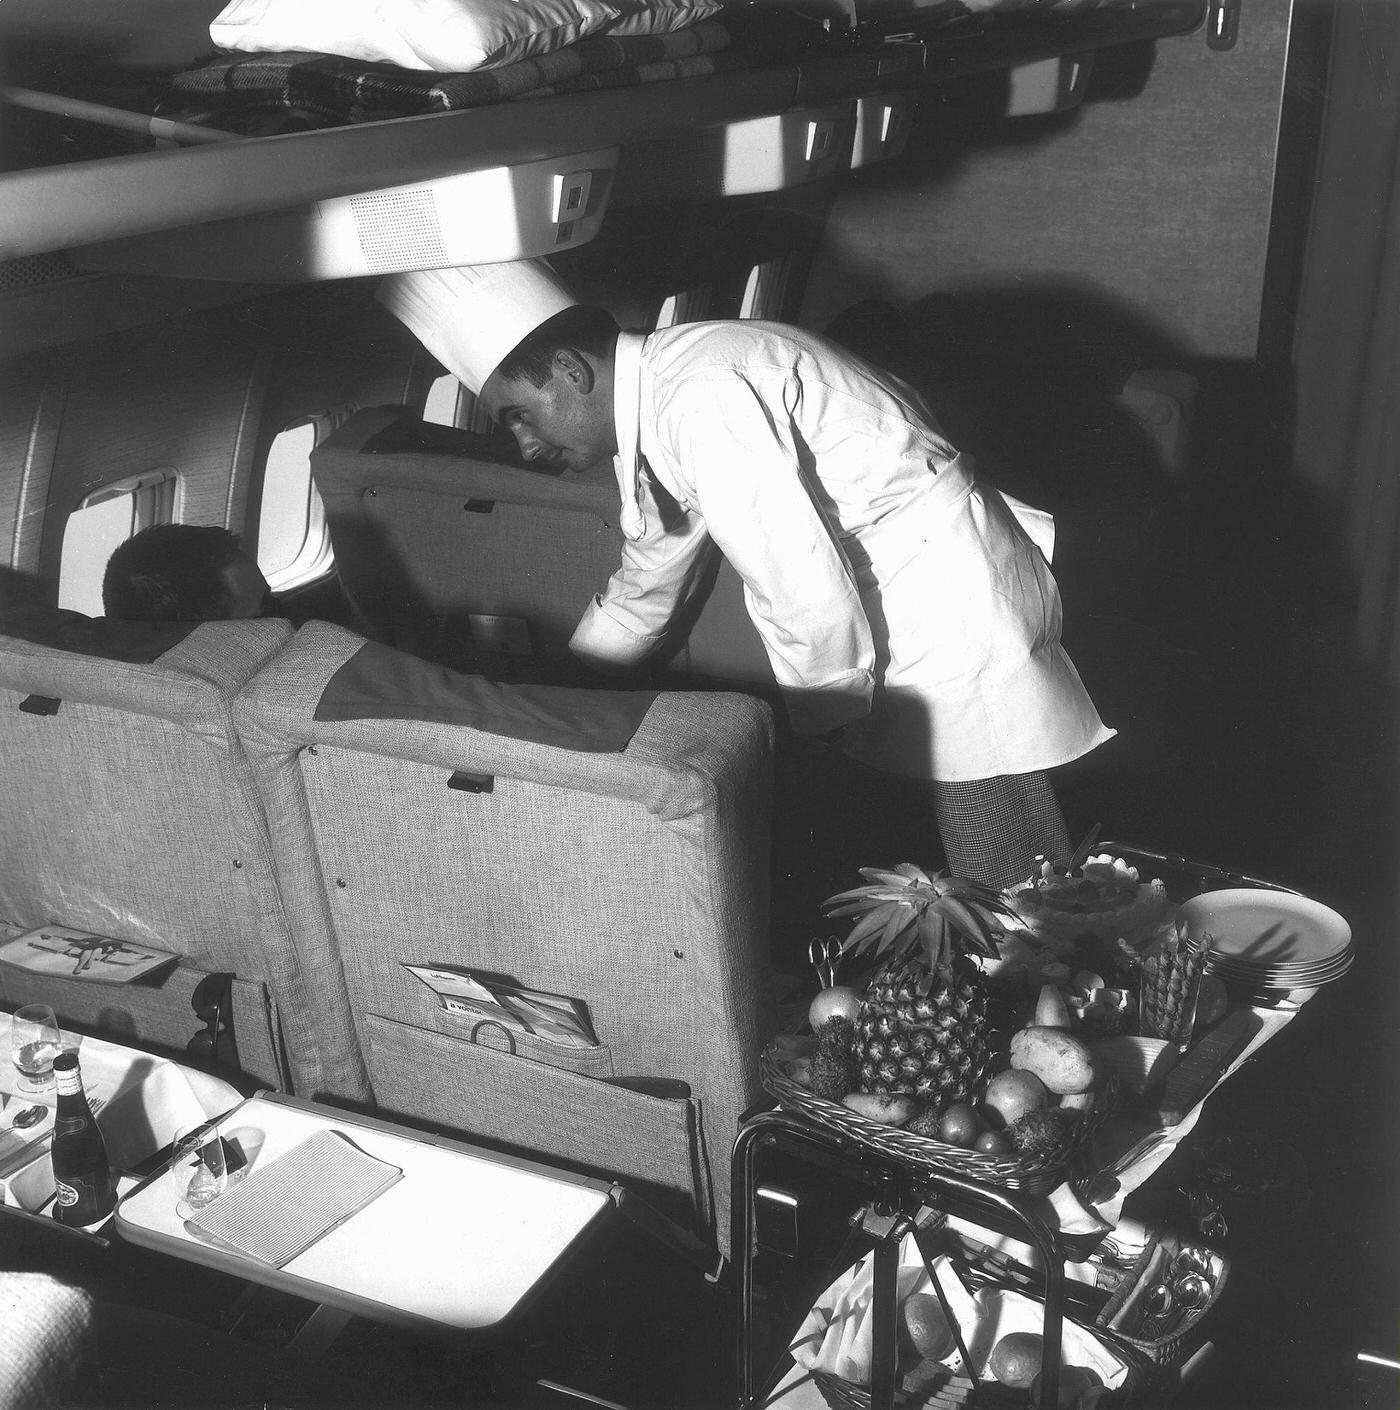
x=472 y=316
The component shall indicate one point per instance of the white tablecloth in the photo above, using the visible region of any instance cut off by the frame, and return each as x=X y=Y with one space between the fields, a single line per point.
x=141 y=1100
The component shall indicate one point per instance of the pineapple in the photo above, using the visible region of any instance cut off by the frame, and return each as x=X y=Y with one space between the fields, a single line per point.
x=922 y=1029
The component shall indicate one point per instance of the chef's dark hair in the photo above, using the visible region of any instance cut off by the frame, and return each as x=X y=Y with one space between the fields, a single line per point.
x=582 y=326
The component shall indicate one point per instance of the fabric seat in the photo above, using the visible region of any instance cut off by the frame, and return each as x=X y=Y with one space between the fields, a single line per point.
x=130 y=813
x=431 y=530
x=628 y=873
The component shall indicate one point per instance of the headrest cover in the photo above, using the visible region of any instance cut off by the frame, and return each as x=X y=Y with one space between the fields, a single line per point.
x=140 y=643
x=380 y=683
x=472 y=316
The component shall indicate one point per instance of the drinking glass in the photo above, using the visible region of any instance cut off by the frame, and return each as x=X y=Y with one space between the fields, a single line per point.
x=198 y=1168
x=34 y=1043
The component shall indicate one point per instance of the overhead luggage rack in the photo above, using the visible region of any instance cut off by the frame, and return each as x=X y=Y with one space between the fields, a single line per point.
x=477 y=217
x=883 y=124
x=77 y=203
x=750 y=157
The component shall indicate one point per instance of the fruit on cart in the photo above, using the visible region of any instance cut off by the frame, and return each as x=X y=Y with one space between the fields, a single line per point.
x=1051 y=1011
x=927 y=1326
x=1015 y=1359
x=837 y=1001
x=922 y=1028
x=1058 y=1058
x=832 y=1066
x=1041 y=1132
x=959 y=1125
x=1011 y=1094
x=1075 y=1382
x=888 y=1108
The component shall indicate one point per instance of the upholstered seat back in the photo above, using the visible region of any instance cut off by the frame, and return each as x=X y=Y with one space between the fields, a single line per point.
x=130 y=813
x=432 y=534
x=612 y=849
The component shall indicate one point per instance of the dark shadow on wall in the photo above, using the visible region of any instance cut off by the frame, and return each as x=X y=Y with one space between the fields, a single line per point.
x=1207 y=601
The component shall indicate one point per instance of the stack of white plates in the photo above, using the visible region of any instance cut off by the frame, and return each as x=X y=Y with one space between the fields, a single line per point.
x=1263 y=940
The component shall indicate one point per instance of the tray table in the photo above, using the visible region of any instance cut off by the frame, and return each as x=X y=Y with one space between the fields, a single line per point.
x=456 y=1245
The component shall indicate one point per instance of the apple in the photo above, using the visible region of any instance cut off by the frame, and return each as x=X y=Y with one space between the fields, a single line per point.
x=839 y=1001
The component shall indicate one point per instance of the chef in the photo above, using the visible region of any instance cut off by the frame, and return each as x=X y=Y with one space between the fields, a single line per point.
x=906 y=610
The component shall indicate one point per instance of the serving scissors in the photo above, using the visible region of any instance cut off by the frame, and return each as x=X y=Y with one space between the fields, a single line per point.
x=825 y=955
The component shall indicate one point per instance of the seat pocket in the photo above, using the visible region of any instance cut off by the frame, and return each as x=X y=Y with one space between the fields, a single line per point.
x=543 y=1098
x=157 y=1014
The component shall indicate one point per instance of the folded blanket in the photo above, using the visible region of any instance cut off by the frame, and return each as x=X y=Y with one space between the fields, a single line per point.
x=324 y=90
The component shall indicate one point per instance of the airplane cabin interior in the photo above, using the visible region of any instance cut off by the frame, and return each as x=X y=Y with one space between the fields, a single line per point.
x=1138 y=257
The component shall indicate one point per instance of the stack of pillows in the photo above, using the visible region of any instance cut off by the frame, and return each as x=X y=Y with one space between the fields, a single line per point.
x=445 y=36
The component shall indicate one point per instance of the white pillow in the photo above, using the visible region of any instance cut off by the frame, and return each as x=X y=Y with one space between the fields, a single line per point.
x=448 y=36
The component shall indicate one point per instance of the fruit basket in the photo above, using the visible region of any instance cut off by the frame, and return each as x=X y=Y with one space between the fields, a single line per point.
x=919 y=1048
x=1034 y=1173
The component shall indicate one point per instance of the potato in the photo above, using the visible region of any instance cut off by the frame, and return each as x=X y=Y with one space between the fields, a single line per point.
x=1058 y=1058
x=877 y=1106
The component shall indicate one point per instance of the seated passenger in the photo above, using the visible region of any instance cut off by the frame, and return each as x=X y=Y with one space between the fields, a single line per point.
x=184 y=573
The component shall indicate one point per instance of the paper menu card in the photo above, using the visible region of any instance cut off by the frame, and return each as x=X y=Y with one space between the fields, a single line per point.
x=59 y=950
x=284 y=1207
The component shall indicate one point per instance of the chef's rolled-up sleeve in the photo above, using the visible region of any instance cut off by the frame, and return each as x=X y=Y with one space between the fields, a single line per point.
x=627 y=622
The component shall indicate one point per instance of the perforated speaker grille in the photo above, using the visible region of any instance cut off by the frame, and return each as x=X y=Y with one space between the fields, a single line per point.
x=35 y=270
x=398 y=228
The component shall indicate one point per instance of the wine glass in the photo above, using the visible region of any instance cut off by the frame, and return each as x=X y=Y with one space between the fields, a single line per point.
x=34 y=1043
x=198 y=1168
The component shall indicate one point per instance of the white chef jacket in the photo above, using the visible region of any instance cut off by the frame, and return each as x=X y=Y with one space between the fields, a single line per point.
x=892 y=593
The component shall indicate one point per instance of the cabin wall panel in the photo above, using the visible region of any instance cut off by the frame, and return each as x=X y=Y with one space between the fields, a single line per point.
x=29 y=413
x=167 y=397
x=333 y=345
x=203 y=395
x=1148 y=214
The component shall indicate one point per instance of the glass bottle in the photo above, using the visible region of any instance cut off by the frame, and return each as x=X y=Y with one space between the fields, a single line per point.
x=86 y=1192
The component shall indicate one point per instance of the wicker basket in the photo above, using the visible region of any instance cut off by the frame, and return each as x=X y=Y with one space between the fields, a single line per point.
x=1165 y=1352
x=842 y=1395
x=1035 y=1174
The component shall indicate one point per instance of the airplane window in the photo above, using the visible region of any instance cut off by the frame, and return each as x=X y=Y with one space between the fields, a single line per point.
x=107 y=517
x=294 y=544
x=449 y=403
x=765 y=290
x=688 y=306
x=444 y=401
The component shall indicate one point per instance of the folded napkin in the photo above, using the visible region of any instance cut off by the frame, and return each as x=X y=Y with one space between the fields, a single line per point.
x=283 y=1208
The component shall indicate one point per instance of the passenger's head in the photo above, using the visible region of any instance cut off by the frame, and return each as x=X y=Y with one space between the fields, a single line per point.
x=183 y=573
